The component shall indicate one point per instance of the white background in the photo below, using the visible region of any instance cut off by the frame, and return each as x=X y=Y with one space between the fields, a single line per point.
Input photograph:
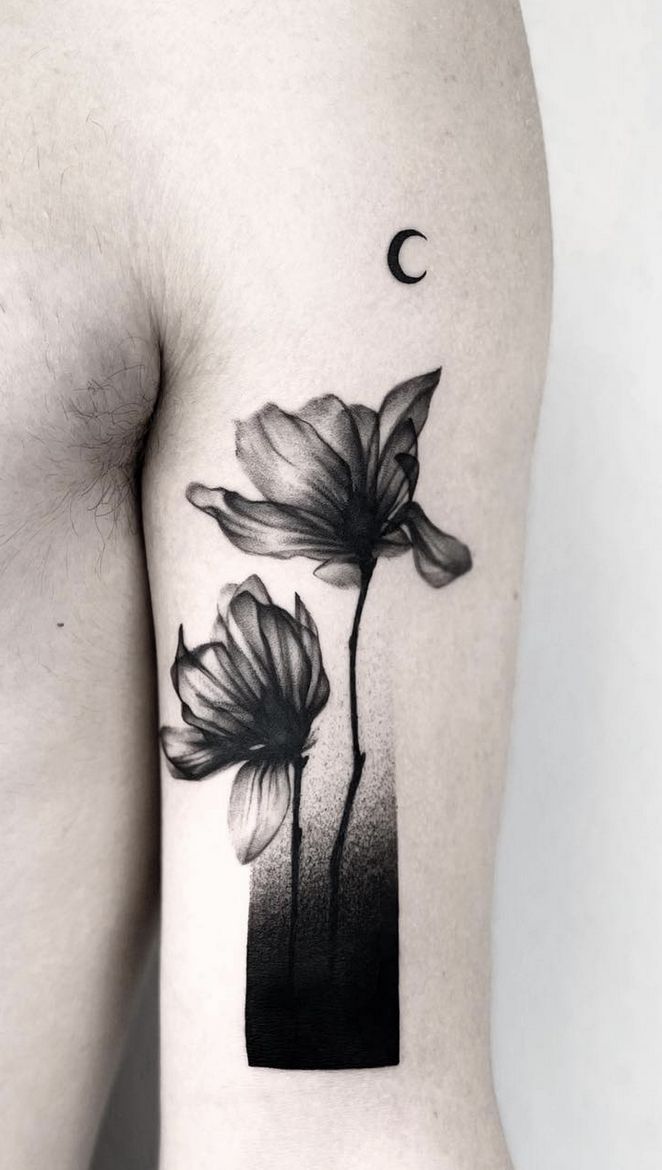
x=578 y=913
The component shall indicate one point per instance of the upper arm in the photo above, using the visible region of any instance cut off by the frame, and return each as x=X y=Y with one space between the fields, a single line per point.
x=342 y=127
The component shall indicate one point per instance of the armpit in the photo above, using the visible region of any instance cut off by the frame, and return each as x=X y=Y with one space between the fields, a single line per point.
x=77 y=400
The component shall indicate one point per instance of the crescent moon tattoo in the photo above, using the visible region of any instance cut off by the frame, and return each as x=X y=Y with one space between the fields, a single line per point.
x=393 y=256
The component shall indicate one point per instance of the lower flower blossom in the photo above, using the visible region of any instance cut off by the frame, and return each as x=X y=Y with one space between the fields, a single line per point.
x=249 y=696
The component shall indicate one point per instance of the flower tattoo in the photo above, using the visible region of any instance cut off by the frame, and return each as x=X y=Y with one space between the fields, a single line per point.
x=250 y=695
x=338 y=483
x=337 y=486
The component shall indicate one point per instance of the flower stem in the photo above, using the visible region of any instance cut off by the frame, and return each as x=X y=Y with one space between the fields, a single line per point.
x=299 y=766
x=357 y=769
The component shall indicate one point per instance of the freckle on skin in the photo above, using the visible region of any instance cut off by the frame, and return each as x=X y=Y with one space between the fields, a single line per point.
x=60 y=625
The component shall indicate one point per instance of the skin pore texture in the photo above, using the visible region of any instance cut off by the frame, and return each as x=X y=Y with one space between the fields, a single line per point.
x=197 y=206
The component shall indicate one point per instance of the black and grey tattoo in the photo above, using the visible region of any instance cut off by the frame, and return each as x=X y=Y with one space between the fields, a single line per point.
x=393 y=256
x=338 y=485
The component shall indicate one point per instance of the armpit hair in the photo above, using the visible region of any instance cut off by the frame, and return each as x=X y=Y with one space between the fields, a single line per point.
x=73 y=463
x=108 y=424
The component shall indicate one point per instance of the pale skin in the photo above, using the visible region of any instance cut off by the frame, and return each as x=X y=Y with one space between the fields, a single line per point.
x=196 y=210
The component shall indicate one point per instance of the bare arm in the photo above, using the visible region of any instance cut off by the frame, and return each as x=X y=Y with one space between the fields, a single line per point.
x=332 y=766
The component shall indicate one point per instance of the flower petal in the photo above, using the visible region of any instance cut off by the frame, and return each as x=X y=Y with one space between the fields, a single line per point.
x=394 y=544
x=192 y=754
x=247 y=685
x=252 y=584
x=303 y=615
x=207 y=688
x=248 y=637
x=366 y=422
x=290 y=462
x=393 y=479
x=410 y=466
x=284 y=651
x=439 y=558
x=266 y=529
x=275 y=646
x=318 y=688
x=335 y=423
x=345 y=574
x=256 y=587
x=290 y=664
x=408 y=400
x=258 y=804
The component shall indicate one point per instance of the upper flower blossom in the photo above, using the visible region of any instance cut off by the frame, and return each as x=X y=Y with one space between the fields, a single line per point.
x=249 y=695
x=338 y=483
